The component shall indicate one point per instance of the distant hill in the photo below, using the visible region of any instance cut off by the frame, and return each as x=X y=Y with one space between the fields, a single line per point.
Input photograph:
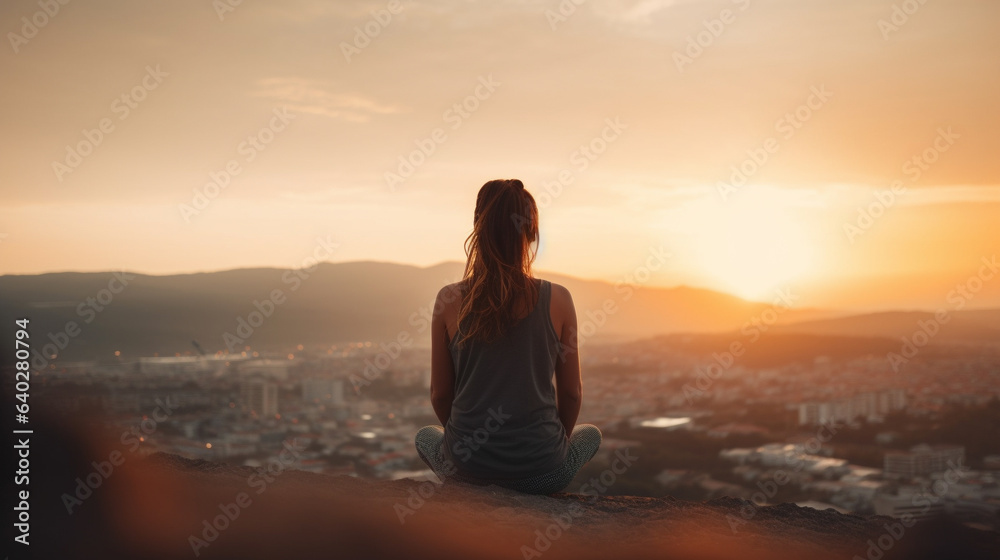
x=341 y=302
x=856 y=336
x=775 y=348
x=378 y=302
x=974 y=325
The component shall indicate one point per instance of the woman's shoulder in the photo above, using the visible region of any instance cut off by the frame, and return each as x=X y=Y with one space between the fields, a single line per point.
x=560 y=295
x=450 y=293
x=561 y=307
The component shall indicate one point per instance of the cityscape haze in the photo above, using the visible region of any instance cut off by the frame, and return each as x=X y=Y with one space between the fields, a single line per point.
x=224 y=224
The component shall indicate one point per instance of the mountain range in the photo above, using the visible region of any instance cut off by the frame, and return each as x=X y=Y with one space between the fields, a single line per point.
x=92 y=315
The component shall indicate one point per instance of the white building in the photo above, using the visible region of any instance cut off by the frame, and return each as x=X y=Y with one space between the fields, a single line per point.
x=172 y=365
x=911 y=501
x=259 y=397
x=923 y=460
x=864 y=405
x=322 y=390
x=272 y=369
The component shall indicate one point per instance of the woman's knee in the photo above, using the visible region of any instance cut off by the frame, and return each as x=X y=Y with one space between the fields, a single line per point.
x=432 y=429
x=429 y=435
x=587 y=432
x=587 y=440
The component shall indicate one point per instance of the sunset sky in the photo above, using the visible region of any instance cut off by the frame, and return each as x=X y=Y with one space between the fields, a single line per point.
x=843 y=102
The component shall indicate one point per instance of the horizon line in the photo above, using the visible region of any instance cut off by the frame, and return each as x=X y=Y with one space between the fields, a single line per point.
x=837 y=312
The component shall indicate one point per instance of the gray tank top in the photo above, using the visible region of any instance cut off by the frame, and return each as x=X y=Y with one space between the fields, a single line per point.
x=504 y=423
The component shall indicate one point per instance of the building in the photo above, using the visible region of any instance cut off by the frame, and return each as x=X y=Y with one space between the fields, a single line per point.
x=259 y=397
x=891 y=401
x=817 y=413
x=172 y=365
x=923 y=460
x=734 y=428
x=907 y=503
x=322 y=390
x=864 y=405
x=271 y=369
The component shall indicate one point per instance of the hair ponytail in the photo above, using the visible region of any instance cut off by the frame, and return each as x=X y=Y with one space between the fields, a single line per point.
x=499 y=252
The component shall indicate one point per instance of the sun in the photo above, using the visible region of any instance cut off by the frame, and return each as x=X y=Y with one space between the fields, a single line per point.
x=752 y=245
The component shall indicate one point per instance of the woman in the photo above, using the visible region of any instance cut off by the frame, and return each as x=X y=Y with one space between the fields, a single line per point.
x=498 y=339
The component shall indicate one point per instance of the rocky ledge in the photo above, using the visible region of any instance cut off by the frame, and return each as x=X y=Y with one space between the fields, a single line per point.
x=166 y=506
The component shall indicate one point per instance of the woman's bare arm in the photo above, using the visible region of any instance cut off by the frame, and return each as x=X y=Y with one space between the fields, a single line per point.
x=442 y=368
x=569 y=383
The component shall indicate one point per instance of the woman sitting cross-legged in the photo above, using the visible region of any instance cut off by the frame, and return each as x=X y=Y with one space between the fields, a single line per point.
x=505 y=372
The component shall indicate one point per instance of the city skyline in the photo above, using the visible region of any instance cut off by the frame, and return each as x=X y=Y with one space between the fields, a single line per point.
x=766 y=326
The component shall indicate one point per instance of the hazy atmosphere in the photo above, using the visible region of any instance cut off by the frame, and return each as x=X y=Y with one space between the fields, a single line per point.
x=762 y=321
x=753 y=150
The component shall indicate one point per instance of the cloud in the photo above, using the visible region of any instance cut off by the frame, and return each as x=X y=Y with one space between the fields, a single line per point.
x=633 y=11
x=315 y=97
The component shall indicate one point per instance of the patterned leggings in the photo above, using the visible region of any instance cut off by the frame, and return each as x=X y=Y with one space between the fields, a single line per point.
x=583 y=444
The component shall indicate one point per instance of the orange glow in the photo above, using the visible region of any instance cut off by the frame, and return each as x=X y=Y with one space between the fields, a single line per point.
x=684 y=131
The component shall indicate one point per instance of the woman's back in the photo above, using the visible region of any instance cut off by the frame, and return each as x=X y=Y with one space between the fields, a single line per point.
x=505 y=373
x=504 y=422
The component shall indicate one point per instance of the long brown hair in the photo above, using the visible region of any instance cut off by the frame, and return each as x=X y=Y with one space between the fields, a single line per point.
x=497 y=279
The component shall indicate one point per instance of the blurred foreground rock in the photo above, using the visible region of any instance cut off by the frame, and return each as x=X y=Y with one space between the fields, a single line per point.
x=166 y=506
